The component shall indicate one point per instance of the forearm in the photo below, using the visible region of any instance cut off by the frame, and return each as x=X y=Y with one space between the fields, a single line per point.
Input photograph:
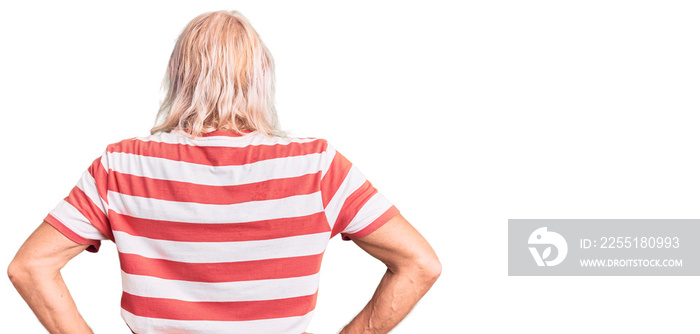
x=397 y=293
x=49 y=298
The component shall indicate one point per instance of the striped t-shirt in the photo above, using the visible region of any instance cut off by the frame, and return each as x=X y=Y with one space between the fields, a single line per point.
x=223 y=233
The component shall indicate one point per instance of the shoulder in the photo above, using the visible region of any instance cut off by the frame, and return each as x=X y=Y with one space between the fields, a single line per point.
x=118 y=146
x=129 y=145
x=300 y=145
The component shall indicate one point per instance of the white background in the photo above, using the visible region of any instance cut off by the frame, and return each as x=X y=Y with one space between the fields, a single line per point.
x=464 y=114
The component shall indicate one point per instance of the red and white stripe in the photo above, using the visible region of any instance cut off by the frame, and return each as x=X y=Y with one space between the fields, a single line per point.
x=222 y=233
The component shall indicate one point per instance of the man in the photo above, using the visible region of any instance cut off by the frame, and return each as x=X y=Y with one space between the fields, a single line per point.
x=220 y=220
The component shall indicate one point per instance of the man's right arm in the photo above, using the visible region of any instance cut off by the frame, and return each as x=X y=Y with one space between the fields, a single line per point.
x=412 y=268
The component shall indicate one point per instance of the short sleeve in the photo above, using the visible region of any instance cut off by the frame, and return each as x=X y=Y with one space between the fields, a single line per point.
x=82 y=215
x=353 y=207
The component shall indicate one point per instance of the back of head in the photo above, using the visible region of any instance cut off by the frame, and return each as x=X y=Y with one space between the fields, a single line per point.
x=220 y=77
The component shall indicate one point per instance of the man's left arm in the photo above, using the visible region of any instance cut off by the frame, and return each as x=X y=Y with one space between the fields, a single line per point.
x=35 y=273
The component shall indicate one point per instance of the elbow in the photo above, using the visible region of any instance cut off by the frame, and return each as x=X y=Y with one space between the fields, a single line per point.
x=21 y=273
x=424 y=268
x=431 y=268
x=14 y=272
